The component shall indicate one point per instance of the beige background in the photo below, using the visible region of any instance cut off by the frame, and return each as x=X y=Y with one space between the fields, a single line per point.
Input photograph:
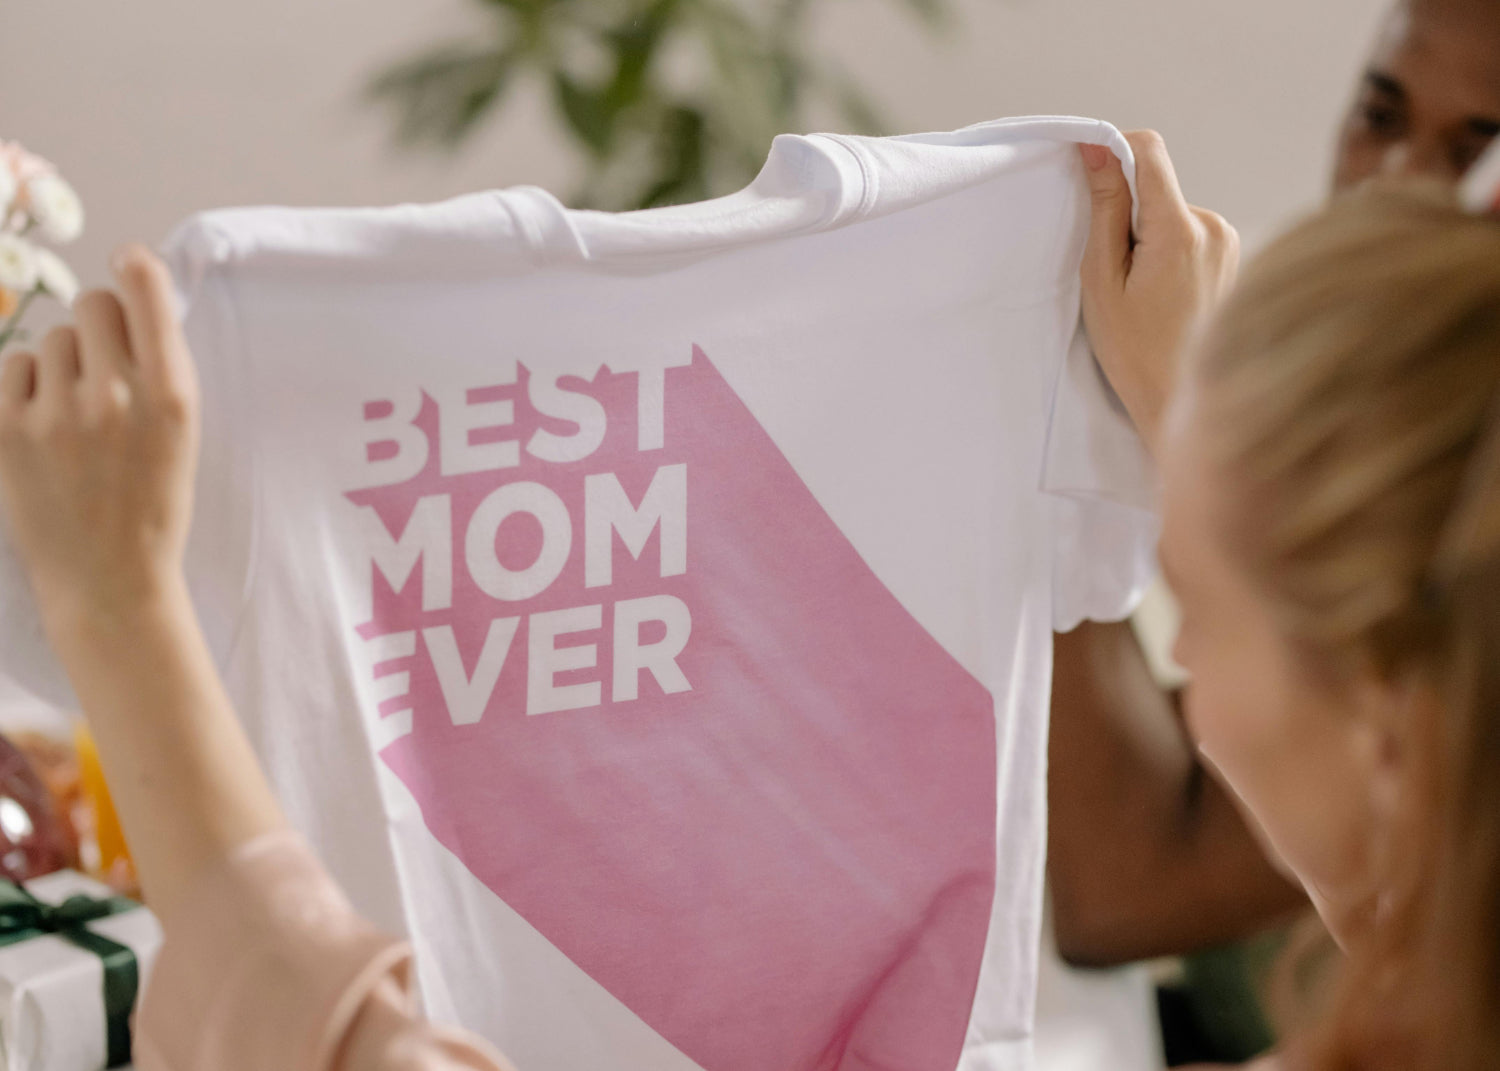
x=156 y=108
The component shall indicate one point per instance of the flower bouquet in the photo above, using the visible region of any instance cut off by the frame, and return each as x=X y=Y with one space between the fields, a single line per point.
x=35 y=202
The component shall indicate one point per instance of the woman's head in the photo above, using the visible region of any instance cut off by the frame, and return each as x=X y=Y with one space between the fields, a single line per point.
x=1333 y=531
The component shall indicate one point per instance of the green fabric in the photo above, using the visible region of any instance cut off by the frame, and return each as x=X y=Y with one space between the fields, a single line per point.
x=23 y=917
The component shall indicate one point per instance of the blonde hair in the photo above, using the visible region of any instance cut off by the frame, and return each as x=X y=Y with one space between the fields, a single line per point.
x=1353 y=387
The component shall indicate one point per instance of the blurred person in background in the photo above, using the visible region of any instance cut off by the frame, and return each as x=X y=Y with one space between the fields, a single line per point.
x=1148 y=853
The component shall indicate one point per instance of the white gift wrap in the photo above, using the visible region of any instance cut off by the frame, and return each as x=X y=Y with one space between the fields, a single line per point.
x=52 y=991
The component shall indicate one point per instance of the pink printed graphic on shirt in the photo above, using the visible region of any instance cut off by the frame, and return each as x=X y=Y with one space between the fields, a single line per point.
x=647 y=691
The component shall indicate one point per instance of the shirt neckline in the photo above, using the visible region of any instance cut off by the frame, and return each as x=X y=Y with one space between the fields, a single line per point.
x=809 y=182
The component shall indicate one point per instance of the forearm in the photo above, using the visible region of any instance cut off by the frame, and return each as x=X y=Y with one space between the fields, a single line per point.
x=1148 y=855
x=184 y=778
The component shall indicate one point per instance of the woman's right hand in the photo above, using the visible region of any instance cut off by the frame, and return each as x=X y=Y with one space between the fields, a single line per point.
x=1144 y=294
x=98 y=444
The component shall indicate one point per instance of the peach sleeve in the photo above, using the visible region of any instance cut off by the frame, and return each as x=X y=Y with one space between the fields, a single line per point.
x=270 y=966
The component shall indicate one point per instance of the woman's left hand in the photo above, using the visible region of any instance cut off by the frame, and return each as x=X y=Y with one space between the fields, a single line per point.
x=98 y=447
x=1144 y=293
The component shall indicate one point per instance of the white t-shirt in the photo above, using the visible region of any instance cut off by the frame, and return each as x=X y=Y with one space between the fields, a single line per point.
x=651 y=614
x=1095 y=1020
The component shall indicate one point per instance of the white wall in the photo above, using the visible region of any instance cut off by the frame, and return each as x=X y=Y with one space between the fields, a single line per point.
x=1248 y=94
x=155 y=108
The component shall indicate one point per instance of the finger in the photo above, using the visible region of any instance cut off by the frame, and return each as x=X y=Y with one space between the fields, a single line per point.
x=1220 y=236
x=1107 y=255
x=102 y=337
x=1162 y=203
x=58 y=370
x=17 y=381
x=155 y=335
x=1219 y=229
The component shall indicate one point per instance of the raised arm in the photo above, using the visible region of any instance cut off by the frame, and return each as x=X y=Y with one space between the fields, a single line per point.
x=1148 y=854
x=98 y=446
x=265 y=964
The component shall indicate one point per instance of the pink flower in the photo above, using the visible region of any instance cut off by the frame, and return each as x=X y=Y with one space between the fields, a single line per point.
x=23 y=164
x=18 y=167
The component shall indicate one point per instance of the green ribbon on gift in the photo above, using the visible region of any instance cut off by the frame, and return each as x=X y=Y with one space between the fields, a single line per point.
x=23 y=916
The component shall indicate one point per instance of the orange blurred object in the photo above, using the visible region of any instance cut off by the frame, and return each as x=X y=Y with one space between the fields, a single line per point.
x=8 y=301
x=115 y=865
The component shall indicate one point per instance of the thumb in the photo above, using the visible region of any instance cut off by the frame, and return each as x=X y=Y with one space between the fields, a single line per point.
x=1108 y=250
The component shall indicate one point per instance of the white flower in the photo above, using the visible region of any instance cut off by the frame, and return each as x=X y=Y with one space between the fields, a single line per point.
x=17 y=264
x=55 y=207
x=55 y=276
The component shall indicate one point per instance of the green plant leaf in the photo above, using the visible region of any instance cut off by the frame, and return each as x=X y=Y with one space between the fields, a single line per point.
x=682 y=173
x=652 y=134
x=440 y=97
x=590 y=115
x=635 y=43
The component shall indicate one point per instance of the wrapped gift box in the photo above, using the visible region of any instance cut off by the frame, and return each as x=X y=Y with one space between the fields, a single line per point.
x=73 y=963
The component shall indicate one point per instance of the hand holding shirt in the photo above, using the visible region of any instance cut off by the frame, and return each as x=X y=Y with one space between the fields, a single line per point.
x=650 y=615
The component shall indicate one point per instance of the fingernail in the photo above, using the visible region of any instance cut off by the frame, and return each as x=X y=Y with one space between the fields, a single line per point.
x=1094 y=156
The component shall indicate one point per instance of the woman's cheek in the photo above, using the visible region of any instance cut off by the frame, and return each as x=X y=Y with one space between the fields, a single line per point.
x=1226 y=709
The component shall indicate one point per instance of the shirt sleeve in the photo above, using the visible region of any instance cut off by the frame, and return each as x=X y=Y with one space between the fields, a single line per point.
x=1104 y=490
x=269 y=966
